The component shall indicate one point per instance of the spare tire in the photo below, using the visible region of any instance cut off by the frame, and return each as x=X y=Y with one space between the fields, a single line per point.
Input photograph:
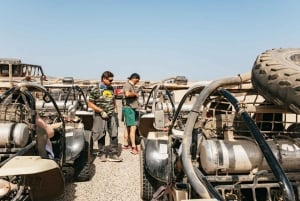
x=276 y=76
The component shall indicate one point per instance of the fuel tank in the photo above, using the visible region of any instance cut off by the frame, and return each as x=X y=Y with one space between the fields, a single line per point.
x=242 y=156
x=16 y=134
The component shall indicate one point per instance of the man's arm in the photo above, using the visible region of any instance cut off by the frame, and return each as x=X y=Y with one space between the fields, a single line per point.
x=131 y=94
x=94 y=107
x=42 y=124
x=116 y=106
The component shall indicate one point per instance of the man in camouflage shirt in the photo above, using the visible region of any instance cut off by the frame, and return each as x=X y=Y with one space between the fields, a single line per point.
x=102 y=101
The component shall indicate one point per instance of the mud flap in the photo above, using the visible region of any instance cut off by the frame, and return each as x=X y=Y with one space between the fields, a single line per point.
x=45 y=185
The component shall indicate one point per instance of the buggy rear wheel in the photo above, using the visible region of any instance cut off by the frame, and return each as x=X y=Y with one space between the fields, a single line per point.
x=82 y=164
x=147 y=189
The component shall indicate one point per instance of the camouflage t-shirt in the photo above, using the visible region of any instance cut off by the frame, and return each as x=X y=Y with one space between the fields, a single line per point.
x=103 y=97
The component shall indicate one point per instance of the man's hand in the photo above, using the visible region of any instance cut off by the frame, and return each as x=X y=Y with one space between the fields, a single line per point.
x=104 y=115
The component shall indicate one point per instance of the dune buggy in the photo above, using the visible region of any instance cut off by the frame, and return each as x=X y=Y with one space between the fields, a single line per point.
x=160 y=117
x=14 y=71
x=72 y=104
x=26 y=173
x=243 y=145
x=240 y=140
x=236 y=145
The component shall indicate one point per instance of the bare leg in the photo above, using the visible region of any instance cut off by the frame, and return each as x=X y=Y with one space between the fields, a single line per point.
x=41 y=143
x=132 y=135
x=49 y=130
x=125 y=143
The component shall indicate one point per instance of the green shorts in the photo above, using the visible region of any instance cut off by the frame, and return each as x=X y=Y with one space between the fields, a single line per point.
x=130 y=116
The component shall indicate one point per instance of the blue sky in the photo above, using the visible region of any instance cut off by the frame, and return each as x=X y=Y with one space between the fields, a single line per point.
x=201 y=40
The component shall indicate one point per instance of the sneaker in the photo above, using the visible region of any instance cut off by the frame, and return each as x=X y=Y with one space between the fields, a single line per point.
x=134 y=150
x=115 y=158
x=102 y=157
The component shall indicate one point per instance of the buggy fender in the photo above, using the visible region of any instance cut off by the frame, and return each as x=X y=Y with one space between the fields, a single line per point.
x=75 y=140
x=43 y=176
x=156 y=155
x=24 y=165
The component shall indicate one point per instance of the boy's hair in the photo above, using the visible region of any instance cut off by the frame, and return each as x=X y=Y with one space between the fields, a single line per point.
x=106 y=74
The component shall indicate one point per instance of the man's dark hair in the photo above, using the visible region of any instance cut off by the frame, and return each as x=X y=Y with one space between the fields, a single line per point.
x=134 y=75
x=106 y=74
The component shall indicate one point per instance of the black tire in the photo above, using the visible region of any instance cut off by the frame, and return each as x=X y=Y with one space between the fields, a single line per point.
x=276 y=76
x=82 y=164
x=147 y=189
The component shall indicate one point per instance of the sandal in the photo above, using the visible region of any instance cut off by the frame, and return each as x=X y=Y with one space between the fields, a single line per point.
x=125 y=147
x=134 y=150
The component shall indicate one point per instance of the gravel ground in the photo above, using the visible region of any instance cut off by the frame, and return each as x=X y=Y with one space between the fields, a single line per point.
x=111 y=181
